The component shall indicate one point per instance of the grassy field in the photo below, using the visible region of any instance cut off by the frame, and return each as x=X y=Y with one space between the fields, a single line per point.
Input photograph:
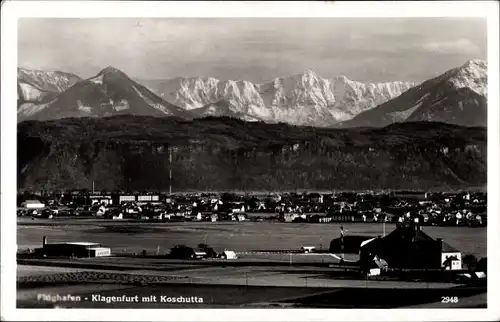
x=238 y=236
x=224 y=286
x=290 y=276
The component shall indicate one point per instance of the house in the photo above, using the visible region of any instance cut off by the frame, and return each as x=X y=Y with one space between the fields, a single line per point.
x=101 y=211
x=290 y=217
x=444 y=150
x=118 y=217
x=126 y=198
x=275 y=197
x=32 y=204
x=101 y=199
x=239 y=217
x=237 y=208
x=451 y=258
x=148 y=198
x=325 y=219
x=409 y=247
x=228 y=254
x=261 y=206
x=308 y=249
x=132 y=209
x=316 y=198
x=158 y=216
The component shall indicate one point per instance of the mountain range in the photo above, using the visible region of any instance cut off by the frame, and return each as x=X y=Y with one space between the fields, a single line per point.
x=303 y=99
x=36 y=87
x=457 y=96
x=110 y=92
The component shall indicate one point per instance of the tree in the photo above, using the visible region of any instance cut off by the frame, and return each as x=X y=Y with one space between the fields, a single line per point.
x=481 y=265
x=227 y=197
x=469 y=261
x=253 y=203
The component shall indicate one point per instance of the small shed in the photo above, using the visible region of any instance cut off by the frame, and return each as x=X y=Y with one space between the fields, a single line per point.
x=229 y=254
x=374 y=272
x=308 y=249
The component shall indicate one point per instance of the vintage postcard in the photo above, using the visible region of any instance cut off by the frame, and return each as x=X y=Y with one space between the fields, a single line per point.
x=244 y=161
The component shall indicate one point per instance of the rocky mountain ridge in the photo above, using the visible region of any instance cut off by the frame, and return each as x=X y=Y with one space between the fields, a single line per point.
x=303 y=99
x=458 y=96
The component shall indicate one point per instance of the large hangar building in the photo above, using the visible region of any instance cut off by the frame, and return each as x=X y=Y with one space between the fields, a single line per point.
x=74 y=249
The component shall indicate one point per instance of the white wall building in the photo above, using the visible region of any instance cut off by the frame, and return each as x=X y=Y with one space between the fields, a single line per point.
x=33 y=204
x=106 y=200
x=126 y=198
x=448 y=252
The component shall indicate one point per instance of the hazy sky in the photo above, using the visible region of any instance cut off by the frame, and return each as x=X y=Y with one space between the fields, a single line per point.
x=255 y=49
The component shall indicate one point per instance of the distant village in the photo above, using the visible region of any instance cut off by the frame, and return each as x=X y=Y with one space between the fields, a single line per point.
x=441 y=209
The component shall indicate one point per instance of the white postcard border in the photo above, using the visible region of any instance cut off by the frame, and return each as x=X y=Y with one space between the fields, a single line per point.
x=12 y=10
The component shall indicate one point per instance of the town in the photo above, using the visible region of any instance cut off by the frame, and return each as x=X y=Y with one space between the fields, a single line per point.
x=431 y=208
x=306 y=241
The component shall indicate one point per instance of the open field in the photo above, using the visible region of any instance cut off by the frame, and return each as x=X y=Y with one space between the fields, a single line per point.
x=129 y=236
x=228 y=287
x=288 y=276
x=265 y=288
x=255 y=279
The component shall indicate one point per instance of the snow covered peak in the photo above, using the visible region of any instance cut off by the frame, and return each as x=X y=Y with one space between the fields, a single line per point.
x=204 y=81
x=36 y=85
x=47 y=80
x=111 y=92
x=472 y=75
x=190 y=93
x=307 y=77
x=475 y=63
x=458 y=96
x=342 y=79
x=110 y=70
x=309 y=73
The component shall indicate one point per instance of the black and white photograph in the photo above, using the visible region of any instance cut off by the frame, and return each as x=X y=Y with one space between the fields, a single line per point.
x=260 y=162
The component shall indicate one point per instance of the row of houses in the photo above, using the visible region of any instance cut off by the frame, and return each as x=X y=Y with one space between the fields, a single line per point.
x=431 y=208
x=345 y=199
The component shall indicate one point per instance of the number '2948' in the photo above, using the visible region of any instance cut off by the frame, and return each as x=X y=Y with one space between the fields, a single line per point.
x=449 y=299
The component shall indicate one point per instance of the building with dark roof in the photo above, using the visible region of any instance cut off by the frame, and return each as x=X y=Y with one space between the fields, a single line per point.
x=73 y=249
x=411 y=248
